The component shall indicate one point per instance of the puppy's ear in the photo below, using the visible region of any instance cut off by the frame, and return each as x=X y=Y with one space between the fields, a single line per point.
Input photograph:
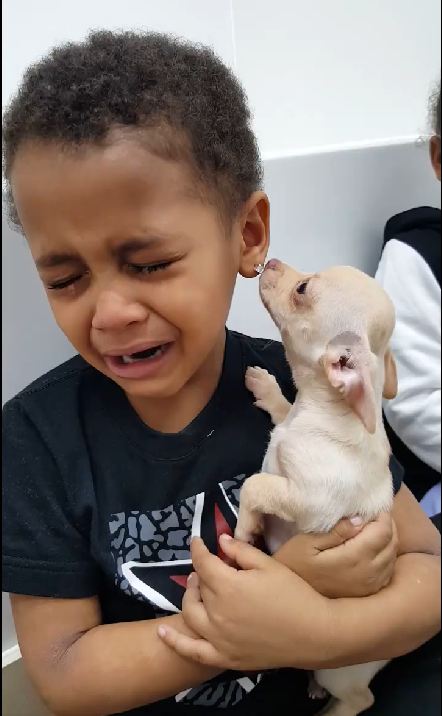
x=390 y=379
x=348 y=364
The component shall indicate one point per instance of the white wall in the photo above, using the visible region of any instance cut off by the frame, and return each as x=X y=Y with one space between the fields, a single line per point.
x=321 y=72
x=31 y=28
x=318 y=73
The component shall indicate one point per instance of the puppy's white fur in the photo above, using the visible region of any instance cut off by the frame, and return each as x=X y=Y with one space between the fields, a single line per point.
x=328 y=455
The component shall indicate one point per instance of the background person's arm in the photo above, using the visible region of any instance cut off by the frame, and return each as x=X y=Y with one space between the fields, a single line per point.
x=415 y=414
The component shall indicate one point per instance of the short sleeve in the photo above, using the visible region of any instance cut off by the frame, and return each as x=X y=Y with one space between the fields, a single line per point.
x=397 y=473
x=44 y=554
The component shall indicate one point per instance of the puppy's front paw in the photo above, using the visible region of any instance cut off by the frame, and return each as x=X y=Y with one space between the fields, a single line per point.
x=314 y=690
x=263 y=386
x=244 y=536
x=250 y=526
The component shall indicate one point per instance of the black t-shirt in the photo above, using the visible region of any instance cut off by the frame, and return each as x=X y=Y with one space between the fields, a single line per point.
x=97 y=503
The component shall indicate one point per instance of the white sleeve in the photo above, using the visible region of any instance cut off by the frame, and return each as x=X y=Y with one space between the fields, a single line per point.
x=415 y=413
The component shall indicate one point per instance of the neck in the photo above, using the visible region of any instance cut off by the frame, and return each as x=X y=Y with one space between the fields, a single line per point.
x=314 y=390
x=320 y=396
x=174 y=413
x=317 y=394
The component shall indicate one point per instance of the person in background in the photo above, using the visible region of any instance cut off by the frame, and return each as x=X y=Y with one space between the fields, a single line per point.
x=409 y=270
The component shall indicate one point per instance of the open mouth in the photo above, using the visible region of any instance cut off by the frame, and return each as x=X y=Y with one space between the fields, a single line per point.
x=148 y=354
x=140 y=364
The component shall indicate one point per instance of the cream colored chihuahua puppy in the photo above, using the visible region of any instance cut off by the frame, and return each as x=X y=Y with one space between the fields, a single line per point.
x=328 y=456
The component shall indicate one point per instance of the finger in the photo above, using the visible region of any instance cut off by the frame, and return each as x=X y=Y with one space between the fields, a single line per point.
x=210 y=569
x=243 y=554
x=193 y=586
x=395 y=539
x=198 y=650
x=198 y=590
x=344 y=531
x=381 y=570
x=195 y=613
x=377 y=535
x=385 y=562
x=386 y=520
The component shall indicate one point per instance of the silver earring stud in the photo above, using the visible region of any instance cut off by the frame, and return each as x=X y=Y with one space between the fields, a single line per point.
x=259 y=268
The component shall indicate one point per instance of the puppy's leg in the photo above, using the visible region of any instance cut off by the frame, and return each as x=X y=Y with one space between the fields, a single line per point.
x=268 y=395
x=356 y=703
x=349 y=686
x=263 y=494
x=314 y=690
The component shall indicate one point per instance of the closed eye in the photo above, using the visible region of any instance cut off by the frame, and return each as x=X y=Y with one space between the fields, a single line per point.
x=141 y=269
x=63 y=283
x=137 y=269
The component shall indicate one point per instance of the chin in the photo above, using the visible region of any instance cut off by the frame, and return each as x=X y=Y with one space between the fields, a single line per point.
x=151 y=388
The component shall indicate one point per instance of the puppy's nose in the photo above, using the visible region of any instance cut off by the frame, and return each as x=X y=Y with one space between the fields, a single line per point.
x=273 y=265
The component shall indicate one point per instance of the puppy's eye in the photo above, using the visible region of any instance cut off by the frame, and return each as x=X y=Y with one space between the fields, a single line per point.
x=302 y=287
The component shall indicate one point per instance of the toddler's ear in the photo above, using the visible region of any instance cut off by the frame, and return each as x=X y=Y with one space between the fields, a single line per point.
x=254 y=228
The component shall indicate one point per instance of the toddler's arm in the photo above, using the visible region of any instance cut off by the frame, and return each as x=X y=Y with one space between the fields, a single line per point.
x=80 y=666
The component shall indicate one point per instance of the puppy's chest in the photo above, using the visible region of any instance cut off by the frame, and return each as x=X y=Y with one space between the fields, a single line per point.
x=329 y=478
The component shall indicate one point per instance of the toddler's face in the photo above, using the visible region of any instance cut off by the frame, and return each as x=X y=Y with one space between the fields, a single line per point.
x=137 y=267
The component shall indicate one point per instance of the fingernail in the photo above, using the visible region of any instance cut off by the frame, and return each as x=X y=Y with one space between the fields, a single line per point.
x=162 y=632
x=356 y=520
x=225 y=538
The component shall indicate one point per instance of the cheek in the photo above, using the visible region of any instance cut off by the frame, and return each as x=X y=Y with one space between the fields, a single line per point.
x=201 y=297
x=200 y=309
x=74 y=321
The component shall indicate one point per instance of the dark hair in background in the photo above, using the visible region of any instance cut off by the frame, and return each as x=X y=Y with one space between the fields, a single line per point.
x=81 y=91
x=435 y=110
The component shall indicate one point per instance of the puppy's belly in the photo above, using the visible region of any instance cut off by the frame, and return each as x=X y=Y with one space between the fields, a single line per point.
x=277 y=532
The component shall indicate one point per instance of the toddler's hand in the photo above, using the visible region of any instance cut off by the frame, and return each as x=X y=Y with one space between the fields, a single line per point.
x=350 y=561
x=260 y=617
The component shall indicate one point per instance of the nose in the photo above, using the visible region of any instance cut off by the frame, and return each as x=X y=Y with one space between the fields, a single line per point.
x=284 y=270
x=114 y=312
x=273 y=265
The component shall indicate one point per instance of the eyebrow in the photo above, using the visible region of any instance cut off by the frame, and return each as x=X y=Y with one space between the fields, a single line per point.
x=129 y=247
x=54 y=260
